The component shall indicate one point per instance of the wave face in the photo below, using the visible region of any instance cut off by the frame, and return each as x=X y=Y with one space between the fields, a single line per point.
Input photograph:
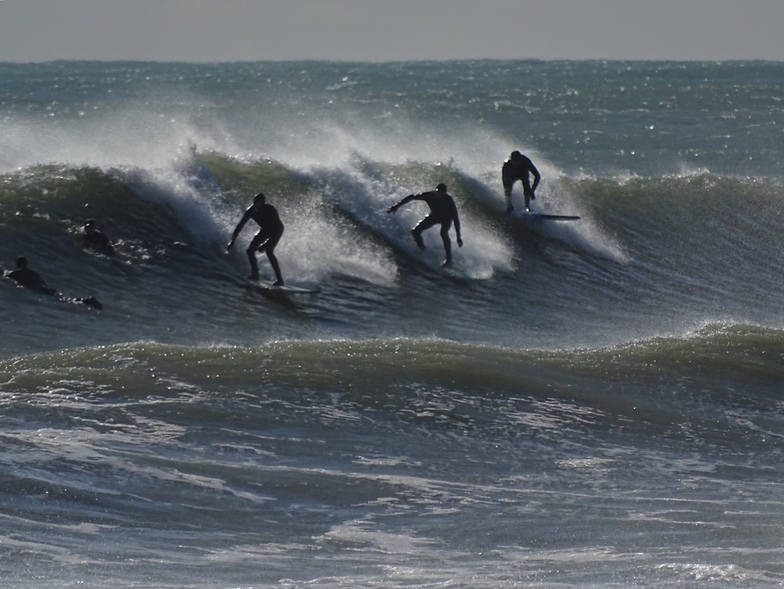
x=578 y=403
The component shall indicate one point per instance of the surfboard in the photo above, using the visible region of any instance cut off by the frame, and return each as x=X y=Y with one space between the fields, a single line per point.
x=546 y=216
x=457 y=272
x=90 y=301
x=430 y=262
x=288 y=288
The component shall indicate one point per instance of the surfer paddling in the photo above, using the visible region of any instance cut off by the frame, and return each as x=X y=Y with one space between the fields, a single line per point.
x=519 y=167
x=31 y=279
x=265 y=240
x=95 y=239
x=443 y=211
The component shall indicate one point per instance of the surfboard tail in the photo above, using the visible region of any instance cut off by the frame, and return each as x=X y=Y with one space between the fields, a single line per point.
x=92 y=302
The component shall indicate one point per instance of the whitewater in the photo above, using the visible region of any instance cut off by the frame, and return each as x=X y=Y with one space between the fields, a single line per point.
x=591 y=403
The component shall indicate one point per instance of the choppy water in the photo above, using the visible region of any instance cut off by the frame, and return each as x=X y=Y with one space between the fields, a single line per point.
x=584 y=404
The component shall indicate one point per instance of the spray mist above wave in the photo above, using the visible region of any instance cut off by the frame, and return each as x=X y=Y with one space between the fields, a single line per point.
x=133 y=137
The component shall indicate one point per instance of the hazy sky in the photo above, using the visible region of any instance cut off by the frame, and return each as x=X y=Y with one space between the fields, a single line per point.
x=390 y=30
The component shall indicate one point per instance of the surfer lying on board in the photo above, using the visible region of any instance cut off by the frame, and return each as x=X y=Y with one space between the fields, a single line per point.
x=31 y=279
x=519 y=167
x=443 y=211
x=96 y=239
x=265 y=240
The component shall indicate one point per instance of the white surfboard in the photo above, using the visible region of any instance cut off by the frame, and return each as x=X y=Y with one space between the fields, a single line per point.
x=288 y=288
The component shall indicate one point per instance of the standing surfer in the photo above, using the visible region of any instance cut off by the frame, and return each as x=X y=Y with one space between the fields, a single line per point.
x=265 y=240
x=443 y=211
x=519 y=167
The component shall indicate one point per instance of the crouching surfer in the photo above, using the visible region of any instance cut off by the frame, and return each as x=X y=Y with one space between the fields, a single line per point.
x=31 y=279
x=271 y=229
x=519 y=167
x=443 y=211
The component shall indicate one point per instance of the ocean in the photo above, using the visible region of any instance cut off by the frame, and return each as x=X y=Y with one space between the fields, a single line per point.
x=576 y=404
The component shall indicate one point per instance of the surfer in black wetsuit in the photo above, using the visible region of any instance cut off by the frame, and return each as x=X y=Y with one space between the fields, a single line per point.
x=443 y=211
x=28 y=278
x=31 y=279
x=519 y=167
x=96 y=239
x=265 y=240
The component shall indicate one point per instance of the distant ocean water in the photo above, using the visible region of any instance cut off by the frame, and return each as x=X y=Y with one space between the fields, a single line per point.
x=592 y=403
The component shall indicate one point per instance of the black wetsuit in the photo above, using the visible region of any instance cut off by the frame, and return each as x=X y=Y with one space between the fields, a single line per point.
x=97 y=239
x=443 y=211
x=266 y=239
x=31 y=279
x=512 y=171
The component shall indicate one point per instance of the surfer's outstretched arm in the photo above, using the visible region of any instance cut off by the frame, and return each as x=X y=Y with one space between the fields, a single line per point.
x=406 y=200
x=456 y=220
x=537 y=176
x=239 y=227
